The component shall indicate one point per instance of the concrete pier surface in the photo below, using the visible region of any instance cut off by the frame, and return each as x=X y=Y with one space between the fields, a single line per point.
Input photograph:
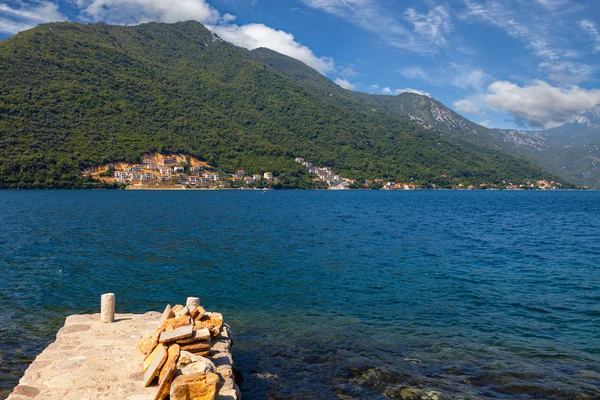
x=94 y=360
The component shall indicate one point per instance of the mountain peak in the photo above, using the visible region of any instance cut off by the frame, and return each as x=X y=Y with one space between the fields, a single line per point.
x=589 y=119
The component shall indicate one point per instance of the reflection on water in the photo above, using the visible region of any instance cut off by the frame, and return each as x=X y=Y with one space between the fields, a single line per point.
x=350 y=295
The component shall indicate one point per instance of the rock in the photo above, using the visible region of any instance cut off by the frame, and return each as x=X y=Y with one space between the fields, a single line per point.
x=177 y=308
x=197 y=335
x=212 y=318
x=198 y=312
x=168 y=313
x=192 y=303
x=168 y=373
x=229 y=395
x=197 y=347
x=221 y=345
x=181 y=311
x=176 y=334
x=189 y=363
x=195 y=386
x=150 y=358
x=222 y=359
x=149 y=343
x=174 y=323
x=172 y=357
x=154 y=368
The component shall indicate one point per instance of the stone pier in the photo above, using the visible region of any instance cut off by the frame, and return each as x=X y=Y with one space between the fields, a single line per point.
x=92 y=360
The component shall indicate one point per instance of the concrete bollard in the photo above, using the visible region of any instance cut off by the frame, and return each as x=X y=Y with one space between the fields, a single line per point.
x=107 y=308
x=192 y=303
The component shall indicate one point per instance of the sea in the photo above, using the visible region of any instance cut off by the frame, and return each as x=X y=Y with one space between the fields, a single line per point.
x=330 y=295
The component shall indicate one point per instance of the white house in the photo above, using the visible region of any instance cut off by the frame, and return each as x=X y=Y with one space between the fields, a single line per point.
x=121 y=176
x=268 y=176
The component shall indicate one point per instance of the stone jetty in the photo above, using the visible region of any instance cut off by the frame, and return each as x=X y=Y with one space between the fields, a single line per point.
x=183 y=353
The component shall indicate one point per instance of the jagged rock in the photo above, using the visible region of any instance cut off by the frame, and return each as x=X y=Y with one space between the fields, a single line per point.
x=195 y=386
x=168 y=313
x=168 y=373
x=172 y=357
x=177 y=308
x=174 y=323
x=192 y=363
x=154 y=368
x=198 y=312
x=151 y=356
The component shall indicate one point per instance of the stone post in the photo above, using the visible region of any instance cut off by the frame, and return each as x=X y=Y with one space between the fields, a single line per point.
x=192 y=303
x=107 y=308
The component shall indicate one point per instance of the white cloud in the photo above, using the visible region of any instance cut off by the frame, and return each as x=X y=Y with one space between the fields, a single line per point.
x=389 y=91
x=137 y=11
x=253 y=36
x=567 y=72
x=26 y=16
x=539 y=104
x=250 y=36
x=409 y=90
x=433 y=26
x=467 y=106
x=485 y=123
x=425 y=36
x=345 y=84
x=414 y=73
x=592 y=30
x=469 y=78
x=501 y=15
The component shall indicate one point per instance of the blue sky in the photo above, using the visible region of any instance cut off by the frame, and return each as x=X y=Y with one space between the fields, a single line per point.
x=502 y=63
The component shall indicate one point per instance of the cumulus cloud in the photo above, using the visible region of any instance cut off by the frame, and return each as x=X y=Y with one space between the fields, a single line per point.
x=345 y=84
x=538 y=105
x=467 y=106
x=409 y=90
x=22 y=16
x=137 y=11
x=485 y=123
x=389 y=91
x=252 y=36
x=592 y=30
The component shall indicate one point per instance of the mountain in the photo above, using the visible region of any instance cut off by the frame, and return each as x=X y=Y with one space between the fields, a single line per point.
x=74 y=96
x=574 y=150
x=422 y=110
x=570 y=151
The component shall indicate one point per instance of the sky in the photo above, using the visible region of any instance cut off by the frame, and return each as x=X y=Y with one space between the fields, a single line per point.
x=526 y=64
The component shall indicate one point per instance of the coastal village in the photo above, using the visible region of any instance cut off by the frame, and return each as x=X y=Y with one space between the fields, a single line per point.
x=174 y=171
x=180 y=171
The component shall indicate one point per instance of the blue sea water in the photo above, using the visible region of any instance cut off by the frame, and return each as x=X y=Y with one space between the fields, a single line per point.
x=331 y=295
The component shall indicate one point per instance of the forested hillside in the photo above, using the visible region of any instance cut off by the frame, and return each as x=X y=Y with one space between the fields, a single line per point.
x=73 y=95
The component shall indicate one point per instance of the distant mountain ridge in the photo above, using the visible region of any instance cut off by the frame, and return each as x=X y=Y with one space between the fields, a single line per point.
x=546 y=148
x=73 y=96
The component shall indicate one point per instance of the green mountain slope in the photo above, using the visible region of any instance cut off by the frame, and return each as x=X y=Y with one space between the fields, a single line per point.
x=570 y=151
x=73 y=95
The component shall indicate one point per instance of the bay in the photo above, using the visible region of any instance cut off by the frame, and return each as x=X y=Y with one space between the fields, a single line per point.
x=330 y=294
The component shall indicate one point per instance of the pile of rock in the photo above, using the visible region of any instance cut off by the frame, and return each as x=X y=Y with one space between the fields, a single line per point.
x=188 y=355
